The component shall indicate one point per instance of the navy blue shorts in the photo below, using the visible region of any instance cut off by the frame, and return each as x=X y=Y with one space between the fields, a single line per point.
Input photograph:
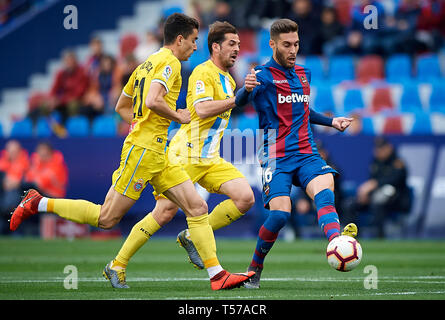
x=280 y=174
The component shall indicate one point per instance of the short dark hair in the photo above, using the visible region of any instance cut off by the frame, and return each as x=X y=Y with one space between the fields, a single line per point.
x=282 y=26
x=217 y=33
x=178 y=24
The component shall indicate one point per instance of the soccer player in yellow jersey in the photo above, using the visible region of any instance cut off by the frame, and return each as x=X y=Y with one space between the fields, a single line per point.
x=148 y=101
x=210 y=99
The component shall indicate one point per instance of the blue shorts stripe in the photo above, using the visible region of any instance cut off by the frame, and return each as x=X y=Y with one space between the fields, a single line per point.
x=125 y=164
x=131 y=179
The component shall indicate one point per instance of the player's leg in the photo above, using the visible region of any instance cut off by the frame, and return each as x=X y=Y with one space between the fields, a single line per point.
x=195 y=208
x=224 y=178
x=141 y=232
x=276 y=196
x=81 y=211
x=279 y=213
x=321 y=190
x=241 y=200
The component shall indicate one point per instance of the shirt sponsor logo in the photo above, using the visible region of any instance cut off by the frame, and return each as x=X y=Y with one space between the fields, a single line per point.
x=294 y=97
x=280 y=81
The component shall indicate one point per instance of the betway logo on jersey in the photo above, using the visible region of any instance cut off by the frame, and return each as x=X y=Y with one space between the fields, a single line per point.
x=294 y=97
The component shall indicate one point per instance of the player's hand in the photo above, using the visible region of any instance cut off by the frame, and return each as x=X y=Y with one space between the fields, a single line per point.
x=183 y=116
x=250 y=81
x=341 y=123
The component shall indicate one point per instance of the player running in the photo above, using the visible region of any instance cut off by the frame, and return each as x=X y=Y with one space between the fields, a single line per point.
x=288 y=154
x=210 y=99
x=148 y=102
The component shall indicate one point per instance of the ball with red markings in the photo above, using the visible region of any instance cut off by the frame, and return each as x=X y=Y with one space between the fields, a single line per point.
x=344 y=253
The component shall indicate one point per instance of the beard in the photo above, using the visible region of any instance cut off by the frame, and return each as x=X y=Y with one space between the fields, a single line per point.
x=282 y=60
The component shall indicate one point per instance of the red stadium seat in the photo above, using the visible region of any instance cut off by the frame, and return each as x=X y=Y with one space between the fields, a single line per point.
x=128 y=44
x=382 y=99
x=370 y=68
x=393 y=125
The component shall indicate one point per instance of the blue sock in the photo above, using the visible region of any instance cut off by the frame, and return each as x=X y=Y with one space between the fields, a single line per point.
x=327 y=214
x=267 y=235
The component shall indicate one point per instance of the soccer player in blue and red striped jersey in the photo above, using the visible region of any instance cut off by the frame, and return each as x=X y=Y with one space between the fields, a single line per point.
x=279 y=90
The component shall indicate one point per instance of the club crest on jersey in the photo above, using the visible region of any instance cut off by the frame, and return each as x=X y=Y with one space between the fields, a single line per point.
x=138 y=185
x=167 y=72
x=303 y=79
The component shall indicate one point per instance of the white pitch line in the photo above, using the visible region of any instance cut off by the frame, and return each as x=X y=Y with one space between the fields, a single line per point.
x=414 y=279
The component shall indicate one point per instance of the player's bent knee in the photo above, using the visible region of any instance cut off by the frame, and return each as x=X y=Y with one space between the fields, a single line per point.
x=244 y=201
x=107 y=220
x=199 y=208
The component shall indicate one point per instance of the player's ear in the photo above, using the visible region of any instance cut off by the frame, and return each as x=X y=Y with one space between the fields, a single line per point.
x=179 y=40
x=272 y=43
x=215 y=47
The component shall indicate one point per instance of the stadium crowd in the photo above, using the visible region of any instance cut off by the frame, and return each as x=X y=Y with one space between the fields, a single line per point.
x=327 y=29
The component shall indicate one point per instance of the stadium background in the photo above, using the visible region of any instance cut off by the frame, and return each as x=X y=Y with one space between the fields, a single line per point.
x=392 y=84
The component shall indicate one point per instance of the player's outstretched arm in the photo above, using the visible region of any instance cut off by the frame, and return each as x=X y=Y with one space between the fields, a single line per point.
x=206 y=109
x=339 y=123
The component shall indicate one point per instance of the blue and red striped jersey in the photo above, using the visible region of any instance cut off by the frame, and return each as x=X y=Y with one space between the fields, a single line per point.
x=282 y=103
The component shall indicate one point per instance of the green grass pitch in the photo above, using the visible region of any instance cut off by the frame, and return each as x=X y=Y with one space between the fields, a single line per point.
x=34 y=269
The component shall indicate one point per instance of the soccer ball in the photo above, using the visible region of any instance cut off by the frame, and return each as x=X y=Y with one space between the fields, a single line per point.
x=344 y=253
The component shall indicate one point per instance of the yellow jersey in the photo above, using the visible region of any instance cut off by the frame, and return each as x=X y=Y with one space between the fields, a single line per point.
x=201 y=137
x=148 y=129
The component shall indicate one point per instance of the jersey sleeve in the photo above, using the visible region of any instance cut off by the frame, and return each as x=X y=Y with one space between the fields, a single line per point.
x=201 y=87
x=166 y=73
x=129 y=87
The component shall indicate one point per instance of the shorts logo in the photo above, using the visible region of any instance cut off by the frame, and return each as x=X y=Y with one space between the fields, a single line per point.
x=266 y=189
x=167 y=72
x=138 y=185
x=200 y=87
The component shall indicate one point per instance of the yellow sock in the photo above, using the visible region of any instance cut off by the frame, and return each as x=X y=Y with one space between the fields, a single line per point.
x=80 y=211
x=224 y=214
x=201 y=234
x=140 y=233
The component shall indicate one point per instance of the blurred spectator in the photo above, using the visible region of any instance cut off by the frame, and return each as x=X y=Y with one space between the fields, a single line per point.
x=385 y=192
x=223 y=12
x=67 y=91
x=258 y=13
x=124 y=70
x=308 y=21
x=48 y=172
x=431 y=24
x=400 y=29
x=96 y=53
x=150 y=45
x=99 y=98
x=5 y=6
x=359 y=38
x=14 y=162
x=330 y=30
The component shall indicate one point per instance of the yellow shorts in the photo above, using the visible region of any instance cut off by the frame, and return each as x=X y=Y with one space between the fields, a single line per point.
x=139 y=166
x=209 y=173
